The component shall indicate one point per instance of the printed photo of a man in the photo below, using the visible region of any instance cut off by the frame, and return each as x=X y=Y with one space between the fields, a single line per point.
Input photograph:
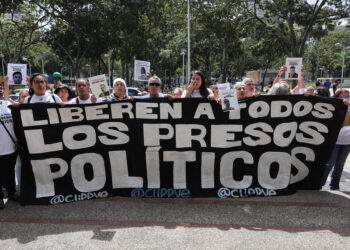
x=17 y=77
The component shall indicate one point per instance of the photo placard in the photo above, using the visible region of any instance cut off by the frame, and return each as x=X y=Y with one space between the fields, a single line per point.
x=17 y=74
x=141 y=69
x=99 y=86
x=293 y=68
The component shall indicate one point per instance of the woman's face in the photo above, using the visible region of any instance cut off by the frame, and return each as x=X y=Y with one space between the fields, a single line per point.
x=344 y=95
x=23 y=96
x=176 y=94
x=39 y=85
x=63 y=94
x=119 y=88
x=196 y=80
x=215 y=92
x=240 y=92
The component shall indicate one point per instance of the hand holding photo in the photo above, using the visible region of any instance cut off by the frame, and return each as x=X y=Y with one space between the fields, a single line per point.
x=293 y=68
x=99 y=86
x=17 y=74
x=228 y=96
x=141 y=69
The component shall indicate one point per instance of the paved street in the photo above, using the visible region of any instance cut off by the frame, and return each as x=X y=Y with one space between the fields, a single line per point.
x=306 y=220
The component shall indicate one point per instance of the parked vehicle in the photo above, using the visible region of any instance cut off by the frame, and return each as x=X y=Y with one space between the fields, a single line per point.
x=14 y=97
x=133 y=91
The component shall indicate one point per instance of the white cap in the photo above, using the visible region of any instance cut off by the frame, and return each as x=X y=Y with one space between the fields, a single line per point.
x=119 y=80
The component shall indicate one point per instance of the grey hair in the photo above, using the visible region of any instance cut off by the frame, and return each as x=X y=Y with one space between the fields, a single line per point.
x=247 y=80
x=313 y=88
x=22 y=91
x=280 y=88
x=82 y=80
x=155 y=78
x=239 y=84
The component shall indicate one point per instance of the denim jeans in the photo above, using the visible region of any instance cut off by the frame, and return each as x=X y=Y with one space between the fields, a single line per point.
x=337 y=160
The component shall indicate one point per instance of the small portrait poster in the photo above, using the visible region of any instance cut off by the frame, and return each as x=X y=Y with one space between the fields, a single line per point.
x=294 y=68
x=254 y=75
x=17 y=74
x=99 y=86
x=228 y=97
x=141 y=69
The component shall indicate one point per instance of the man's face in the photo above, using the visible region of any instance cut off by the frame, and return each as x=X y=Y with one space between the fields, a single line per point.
x=103 y=88
x=227 y=103
x=17 y=78
x=292 y=70
x=82 y=88
x=154 y=87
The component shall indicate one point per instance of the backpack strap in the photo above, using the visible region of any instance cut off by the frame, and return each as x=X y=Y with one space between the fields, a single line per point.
x=53 y=97
x=29 y=98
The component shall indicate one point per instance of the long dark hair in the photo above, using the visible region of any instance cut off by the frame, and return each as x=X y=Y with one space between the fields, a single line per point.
x=31 y=80
x=202 y=89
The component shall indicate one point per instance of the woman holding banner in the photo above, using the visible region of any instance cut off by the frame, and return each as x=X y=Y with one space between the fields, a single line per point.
x=197 y=89
x=8 y=152
x=341 y=149
x=38 y=84
x=119 y=90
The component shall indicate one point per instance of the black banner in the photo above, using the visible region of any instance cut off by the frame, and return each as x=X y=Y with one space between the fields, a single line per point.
x=183 y=148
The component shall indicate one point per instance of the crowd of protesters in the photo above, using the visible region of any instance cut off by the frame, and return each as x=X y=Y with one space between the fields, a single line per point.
x=64 y=95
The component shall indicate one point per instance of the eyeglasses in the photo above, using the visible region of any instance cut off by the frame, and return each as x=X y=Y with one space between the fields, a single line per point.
x=345 y=97
x=39 y=82
x=154 y=84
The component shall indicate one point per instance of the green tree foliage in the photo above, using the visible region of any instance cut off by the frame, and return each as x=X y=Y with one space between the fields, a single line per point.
x=299 y=17
x=331 y=55
x=20 y=28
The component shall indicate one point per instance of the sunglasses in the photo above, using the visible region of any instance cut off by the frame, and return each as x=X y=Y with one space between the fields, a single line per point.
x=154 y=84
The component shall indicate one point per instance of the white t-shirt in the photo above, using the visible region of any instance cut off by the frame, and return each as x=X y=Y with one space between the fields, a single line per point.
x=47 y=98
x=80 y=101
x=344 y=136
x=196 y=94
x=6 y=144
x=160 y=95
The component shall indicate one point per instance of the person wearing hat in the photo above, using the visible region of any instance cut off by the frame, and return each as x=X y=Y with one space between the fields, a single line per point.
x=57 y=79
x=119 y=90
x=64 y=92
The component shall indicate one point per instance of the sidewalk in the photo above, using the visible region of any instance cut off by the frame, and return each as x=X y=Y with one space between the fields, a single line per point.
x=305 y=220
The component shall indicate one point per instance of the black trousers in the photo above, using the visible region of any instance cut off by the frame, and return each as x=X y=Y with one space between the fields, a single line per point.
x=7 y=173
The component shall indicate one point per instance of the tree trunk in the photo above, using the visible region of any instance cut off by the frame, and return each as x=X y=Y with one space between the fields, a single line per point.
x=112 y=68
x=123 y=70
x=317 y=58
x=224 y=60
x=264 y=75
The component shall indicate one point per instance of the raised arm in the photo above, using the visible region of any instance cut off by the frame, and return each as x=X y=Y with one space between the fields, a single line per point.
x=300 y=84
x=278 y=77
